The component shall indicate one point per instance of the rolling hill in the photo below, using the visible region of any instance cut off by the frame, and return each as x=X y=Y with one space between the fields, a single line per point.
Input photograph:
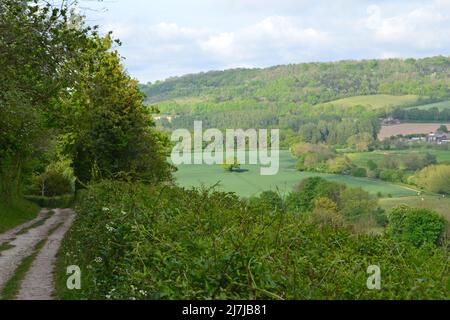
x=307 y=83
x=317 y=102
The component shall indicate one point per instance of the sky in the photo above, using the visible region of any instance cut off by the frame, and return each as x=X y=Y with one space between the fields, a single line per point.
x=166 y=38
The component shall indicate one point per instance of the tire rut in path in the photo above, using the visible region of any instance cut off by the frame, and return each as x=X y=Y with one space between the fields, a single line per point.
x=39 y=283
x=23 y=246
x=10 y=234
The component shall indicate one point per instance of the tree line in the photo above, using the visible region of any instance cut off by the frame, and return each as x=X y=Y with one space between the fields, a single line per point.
x=416 y=114
x=67 y=105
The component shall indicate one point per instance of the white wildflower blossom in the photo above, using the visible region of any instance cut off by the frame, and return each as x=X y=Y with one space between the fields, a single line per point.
x=143 y=293
x=98 y=260
x=105 y=209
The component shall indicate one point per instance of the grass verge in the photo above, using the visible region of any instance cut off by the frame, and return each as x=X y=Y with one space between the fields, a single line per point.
x=65 y=258
x=16 y=213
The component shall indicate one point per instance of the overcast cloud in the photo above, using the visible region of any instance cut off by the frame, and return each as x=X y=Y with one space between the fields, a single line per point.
x=175 y=37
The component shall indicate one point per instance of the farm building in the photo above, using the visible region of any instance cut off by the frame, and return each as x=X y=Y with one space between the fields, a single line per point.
x=159 y=117
x=438 y=137
x=389 y=121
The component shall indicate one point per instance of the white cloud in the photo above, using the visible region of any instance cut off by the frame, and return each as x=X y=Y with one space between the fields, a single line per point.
x=168 y=31
x=265 y=5
x=221 y=45
x=423 y=27
x=161 y=40
x=284 y=31
x=274 y=36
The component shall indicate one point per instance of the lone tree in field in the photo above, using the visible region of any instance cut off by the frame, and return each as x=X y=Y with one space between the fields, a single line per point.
x=231 y=164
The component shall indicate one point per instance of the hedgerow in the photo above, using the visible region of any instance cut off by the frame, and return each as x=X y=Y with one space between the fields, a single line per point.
x=162 y=242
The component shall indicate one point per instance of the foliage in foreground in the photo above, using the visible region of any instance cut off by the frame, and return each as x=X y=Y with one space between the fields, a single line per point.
x=39 y=56
x=141 y=242
x=65 y=97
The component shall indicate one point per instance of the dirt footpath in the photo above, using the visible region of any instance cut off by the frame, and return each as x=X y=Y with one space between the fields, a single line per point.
x=38 y=283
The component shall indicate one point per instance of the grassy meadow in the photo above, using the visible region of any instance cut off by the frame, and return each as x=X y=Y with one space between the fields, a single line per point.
x=376 y=101
x=251 y=183
x=437 y=203
x=440 y=105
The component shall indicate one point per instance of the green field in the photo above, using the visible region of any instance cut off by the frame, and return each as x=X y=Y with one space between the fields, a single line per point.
x=361 y=158
x=435 y=202
x=440 y=105
x=251 y=183
x=377 y=101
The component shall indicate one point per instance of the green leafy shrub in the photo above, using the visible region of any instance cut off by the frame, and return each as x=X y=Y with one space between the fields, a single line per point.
x=325 y=214
x=160 y=242
x=64 y=201
x=391 y=175
x=359 y=172
x=339 y=165
x=57 y=180
x=418 y=226
x=355 y=203
x=371 y=165
x=269 y=199
x=381 y=217
x=55 y=184
x=303 y=197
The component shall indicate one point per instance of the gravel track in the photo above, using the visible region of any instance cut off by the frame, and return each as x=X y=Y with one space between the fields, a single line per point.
x=38 y=283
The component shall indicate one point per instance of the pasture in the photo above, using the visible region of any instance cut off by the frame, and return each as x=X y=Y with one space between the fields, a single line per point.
x=376 y=101
x=437 y=203
x=251 y=183
x=440 y=105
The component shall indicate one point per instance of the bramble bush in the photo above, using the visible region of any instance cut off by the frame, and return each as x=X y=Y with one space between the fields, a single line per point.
x=162 y=242
x=418 y=226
